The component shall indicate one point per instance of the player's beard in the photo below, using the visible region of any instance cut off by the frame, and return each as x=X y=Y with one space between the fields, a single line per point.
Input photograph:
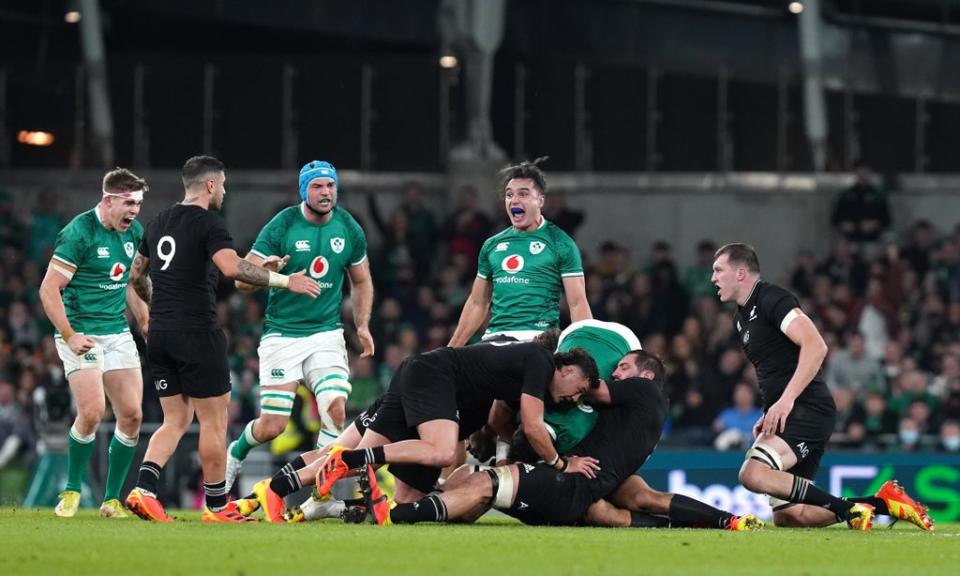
x=318 y=213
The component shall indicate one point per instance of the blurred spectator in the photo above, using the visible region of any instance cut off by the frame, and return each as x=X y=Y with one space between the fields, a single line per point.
x=852 y=369
x=862 y=212
x=844 y=267
x=740 y=418
x=555 y=210
x=11 y=228
x=950 y=436
x=919 y=249
x=15 y=433
x=908 y=435
x=801 y=278
x=696 y=279
x=45 y=223
x=466 y=228
x=366 y=387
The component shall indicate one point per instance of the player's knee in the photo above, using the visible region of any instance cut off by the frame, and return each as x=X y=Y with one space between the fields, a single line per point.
x=750 y=478
x=338 y=412
x=444 y=456
x=789 y=517
x=642 y=500
x=130 y=419
x=269 y=428
x=90 y=414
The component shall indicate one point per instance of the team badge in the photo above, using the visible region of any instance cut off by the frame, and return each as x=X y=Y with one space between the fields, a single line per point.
x=337 y=244
x=319 y=267
x=746 y=337
x=128 y=248
x=116 y=271
x=512 y=264
x=536 y=247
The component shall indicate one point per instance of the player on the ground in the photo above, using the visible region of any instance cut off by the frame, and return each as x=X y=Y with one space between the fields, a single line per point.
x=799 y=413
x=182 y=248
x=522 y=271
x=91 y=267
x=440 y=397
x=628 y=428
x=303 y=337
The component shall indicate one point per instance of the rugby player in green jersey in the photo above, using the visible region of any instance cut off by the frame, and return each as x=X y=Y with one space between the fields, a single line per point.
x=85 y=293
x=303 y=337
x=523 y=270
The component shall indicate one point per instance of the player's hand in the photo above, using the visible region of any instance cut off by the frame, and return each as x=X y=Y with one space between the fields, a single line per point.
x=80 y=344
x=275 y=263
x=583 y=465
x=300 y=284
x=366 y=341
x=775 y=420
x=758 y=427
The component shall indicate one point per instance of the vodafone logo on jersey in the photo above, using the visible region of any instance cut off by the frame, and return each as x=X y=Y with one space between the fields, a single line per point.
x=512 y=263
x=116 y=271
x=319 y=267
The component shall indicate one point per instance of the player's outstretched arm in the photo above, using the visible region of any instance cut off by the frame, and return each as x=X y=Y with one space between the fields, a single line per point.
x=575 y=291
x=474 y=313
x=56 y=279
x=813 y=350
x=235 y=268
x=271 y=263
x=361 y=295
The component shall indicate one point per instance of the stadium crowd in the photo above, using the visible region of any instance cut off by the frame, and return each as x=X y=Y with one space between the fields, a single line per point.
x=888 y=309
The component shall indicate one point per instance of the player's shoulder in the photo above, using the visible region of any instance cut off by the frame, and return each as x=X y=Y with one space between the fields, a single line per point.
x=347 y=219
x=83 y=223
x=555 y=233
x=768 y=292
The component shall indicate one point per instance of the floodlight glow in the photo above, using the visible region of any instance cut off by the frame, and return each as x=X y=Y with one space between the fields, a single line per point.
x=795 y=7
x=448 y=61
x=71 y=17
x=34 y=138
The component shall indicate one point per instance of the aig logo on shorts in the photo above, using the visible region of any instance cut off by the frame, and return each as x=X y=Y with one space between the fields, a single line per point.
x=319 y=267
x=512 y=264
x=160 y=384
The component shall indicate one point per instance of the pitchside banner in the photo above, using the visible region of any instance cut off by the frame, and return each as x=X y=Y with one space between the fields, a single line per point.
x=931 y=478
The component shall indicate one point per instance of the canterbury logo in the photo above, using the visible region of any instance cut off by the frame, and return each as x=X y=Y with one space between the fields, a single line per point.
x=276 y=373
x=302 y=245
x=90 y=357
x=103 y=252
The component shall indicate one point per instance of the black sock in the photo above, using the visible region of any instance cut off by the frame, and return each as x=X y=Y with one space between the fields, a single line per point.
x=357 y=458
x=804 y=492
x=689 y=512
x=880 y=507
x=641 y=520
x=428 y=509
x=216 y=495
x=297 y=463
x=354 y=502
x=285 y=481
x=149 y=477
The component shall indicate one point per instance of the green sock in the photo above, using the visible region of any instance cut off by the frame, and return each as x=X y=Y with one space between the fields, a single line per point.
x=245 y=443
x=122 y=449
x=79 y=449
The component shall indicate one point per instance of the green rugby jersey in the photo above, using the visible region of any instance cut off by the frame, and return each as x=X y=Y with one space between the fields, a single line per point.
x=325 y=251
x=95 y=298
x=571 y=423
x=526 y=270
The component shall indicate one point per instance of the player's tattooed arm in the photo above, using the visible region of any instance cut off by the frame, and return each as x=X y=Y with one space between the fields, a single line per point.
x=140 y=279
x=252 y=274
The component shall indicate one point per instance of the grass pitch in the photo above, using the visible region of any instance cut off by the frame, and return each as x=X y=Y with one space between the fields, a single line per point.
x=36 y=542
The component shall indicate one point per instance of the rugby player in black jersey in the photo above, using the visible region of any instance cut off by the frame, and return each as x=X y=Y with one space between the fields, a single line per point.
x=799 y=413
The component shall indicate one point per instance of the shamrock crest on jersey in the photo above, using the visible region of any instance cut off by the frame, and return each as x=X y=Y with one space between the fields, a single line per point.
x=526 y=270
x=326 y=252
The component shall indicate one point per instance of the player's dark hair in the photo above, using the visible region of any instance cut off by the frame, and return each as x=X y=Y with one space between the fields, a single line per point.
x=526 y=170
x=121 y=180
x=742 y=254
x=549 y=339
x=648 y=361
x=196 y=168
x=579 y=357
